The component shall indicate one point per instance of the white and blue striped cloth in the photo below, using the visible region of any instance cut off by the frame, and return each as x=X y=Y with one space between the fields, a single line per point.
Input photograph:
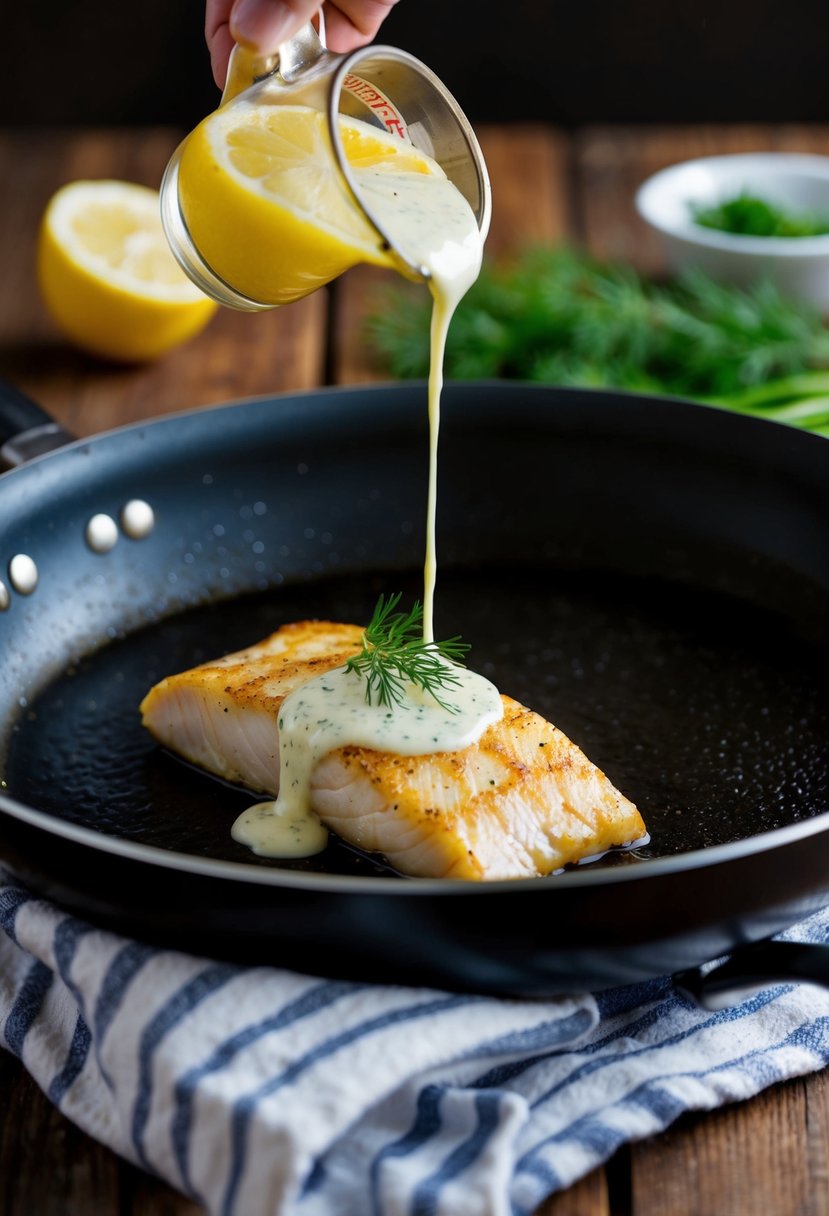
x=258 y=1091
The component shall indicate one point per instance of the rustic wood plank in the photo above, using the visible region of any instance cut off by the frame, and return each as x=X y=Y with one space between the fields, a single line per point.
x=146 y=1196
x=48 y=1167
x=528 y=168
x=768 y=1155
x=612 y=162
x=82 y=1176
x=814 y=138
x=354 y=297
x=238 y=355
x=816 y=1133
x=588 y=1197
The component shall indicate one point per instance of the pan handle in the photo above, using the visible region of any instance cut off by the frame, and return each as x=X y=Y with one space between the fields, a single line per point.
x=753 y=967
x=26 y=430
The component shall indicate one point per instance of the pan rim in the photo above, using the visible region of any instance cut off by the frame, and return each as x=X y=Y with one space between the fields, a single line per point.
x=720 y=416
x=315 y=882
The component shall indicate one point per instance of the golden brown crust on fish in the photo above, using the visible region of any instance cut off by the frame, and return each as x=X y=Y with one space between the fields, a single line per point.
x=222 y=715
x=521 y=802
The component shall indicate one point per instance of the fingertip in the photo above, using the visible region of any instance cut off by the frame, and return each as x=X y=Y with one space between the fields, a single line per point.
x=262 y=26
x=341 y=36
x=221 y=44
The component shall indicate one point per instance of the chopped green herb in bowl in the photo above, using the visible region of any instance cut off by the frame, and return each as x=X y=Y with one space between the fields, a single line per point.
x=745 y=218
x=746 y=214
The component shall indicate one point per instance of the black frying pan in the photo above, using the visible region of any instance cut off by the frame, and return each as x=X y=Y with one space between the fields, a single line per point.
x=651 y=575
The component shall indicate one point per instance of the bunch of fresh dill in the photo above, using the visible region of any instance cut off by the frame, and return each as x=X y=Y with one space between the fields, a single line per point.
x=557 y=316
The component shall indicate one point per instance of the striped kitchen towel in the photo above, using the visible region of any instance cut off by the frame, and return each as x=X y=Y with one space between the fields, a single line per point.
x=259 y=1091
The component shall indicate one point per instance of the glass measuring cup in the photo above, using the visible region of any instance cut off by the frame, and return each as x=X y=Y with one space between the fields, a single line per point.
x=379 y=85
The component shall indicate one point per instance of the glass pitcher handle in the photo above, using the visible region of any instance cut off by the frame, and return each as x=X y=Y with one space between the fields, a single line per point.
x=292 y=58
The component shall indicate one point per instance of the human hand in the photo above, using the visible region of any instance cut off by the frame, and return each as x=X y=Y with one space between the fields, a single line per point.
x=261 y=25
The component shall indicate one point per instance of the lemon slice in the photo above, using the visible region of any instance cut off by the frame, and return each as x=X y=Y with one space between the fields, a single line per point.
x=107 y=275
x=264 y=203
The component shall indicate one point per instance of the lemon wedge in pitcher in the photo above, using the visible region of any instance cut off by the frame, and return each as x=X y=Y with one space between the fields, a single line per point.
x=107 y=275
x=262 y=198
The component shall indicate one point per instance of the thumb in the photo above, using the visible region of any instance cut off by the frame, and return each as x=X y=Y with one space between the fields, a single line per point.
x=261 y=25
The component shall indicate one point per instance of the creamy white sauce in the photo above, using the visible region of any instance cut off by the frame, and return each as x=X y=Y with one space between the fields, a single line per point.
x=272 y=831
x=429 y=219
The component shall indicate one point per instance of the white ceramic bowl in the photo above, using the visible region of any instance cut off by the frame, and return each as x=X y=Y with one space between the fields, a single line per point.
x=799 y=265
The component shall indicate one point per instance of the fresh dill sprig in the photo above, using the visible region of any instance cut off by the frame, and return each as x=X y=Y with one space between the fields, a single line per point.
x=394 y=652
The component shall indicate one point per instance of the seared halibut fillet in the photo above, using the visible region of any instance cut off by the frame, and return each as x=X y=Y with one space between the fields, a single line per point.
x=521 y=802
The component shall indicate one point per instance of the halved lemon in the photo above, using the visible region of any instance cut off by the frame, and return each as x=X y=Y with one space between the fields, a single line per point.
x=108 y=277
x=263 y=201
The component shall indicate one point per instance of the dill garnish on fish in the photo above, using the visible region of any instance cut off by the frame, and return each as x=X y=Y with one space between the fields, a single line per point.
x=395 y=652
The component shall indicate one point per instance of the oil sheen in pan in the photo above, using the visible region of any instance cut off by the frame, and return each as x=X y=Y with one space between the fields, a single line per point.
x=705 y=710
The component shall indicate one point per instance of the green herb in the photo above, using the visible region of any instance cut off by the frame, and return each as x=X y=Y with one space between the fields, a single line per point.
x=748 y=215
x=394 y=651
x=560 y=317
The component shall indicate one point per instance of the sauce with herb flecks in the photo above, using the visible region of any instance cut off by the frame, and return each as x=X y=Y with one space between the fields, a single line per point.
x=271 y=832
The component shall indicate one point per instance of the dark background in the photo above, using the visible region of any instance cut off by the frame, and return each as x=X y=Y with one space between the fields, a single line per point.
x=144 y=61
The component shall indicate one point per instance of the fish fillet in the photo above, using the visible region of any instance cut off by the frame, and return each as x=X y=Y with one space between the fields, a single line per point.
x=521 y=802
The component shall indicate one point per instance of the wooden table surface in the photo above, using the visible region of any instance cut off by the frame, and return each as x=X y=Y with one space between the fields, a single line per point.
x=769 y=1155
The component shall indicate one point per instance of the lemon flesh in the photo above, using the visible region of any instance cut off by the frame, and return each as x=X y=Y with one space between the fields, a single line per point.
x=107 y=276
x=264 y=203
